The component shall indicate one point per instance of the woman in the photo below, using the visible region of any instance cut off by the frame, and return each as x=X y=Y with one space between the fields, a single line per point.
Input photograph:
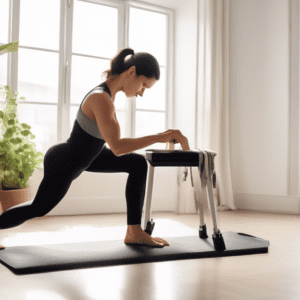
x=85 y=149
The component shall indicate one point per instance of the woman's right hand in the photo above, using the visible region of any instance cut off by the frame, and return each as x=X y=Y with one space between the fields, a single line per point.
x=172 y=134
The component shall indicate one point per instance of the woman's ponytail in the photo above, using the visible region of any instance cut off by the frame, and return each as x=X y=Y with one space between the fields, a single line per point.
x=117 y=64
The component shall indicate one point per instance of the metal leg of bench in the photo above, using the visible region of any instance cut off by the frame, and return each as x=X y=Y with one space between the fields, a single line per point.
x=217 y=235
x=147 y=206
x=201 y=208
x=212 y=205
x=202 y=227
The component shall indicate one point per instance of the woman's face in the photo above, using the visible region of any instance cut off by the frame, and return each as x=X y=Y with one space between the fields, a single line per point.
x=136 y=85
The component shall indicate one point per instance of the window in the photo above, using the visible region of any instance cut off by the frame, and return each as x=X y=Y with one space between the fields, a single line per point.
x=65 y=45
x=4 y=21
x=147 y=33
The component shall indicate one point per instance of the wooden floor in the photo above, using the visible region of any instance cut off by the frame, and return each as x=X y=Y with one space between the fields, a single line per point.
x=275 y=275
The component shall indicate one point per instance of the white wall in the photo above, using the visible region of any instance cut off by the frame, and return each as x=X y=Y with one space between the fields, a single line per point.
x=264 y=115
x=259 y=84
x=264 y=109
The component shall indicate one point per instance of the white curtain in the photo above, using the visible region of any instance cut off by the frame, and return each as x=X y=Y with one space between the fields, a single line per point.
x=212 y=124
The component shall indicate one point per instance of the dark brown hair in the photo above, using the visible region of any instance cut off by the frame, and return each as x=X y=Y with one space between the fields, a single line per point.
x=145 y=64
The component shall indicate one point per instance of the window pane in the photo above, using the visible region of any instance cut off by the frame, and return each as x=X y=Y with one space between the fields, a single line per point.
x=4 y=19
x=149 y=123
x=155 y=97
x=95 y=29
x=43 y=122
x=38 y=75
x=39 y=24
x=85 y=75
x=3 y=69
x=147 y=33
x=4 y=9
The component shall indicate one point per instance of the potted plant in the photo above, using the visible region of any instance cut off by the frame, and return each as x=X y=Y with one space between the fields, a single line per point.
x=18 y=155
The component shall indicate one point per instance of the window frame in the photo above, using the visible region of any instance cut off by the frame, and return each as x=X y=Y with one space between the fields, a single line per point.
x=65 y=63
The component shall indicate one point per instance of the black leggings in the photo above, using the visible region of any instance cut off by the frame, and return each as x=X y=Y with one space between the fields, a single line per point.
x=65 y=161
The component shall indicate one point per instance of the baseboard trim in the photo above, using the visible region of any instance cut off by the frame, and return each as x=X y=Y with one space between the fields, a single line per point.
x=268 y=203
x=103 y=205
x=115 y=205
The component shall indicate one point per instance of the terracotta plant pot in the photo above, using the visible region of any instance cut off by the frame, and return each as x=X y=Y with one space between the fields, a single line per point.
x=10 y=198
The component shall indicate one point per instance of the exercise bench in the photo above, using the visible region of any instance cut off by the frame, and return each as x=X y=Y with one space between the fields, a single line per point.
x=230 y=243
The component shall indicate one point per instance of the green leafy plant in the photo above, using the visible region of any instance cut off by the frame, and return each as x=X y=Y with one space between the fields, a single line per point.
x=18 y=155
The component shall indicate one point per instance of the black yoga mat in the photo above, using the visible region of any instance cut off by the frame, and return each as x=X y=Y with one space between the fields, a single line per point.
x=58 y=257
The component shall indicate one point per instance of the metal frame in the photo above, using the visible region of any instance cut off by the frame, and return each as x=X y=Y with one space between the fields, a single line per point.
x=146 y=215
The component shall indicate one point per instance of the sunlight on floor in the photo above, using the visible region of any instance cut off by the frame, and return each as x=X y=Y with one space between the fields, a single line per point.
x=83 y=233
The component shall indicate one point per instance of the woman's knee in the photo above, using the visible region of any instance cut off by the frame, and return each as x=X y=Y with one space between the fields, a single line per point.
x=139 y=161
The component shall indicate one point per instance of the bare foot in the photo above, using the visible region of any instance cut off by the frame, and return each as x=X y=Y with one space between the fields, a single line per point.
x=140 y=237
